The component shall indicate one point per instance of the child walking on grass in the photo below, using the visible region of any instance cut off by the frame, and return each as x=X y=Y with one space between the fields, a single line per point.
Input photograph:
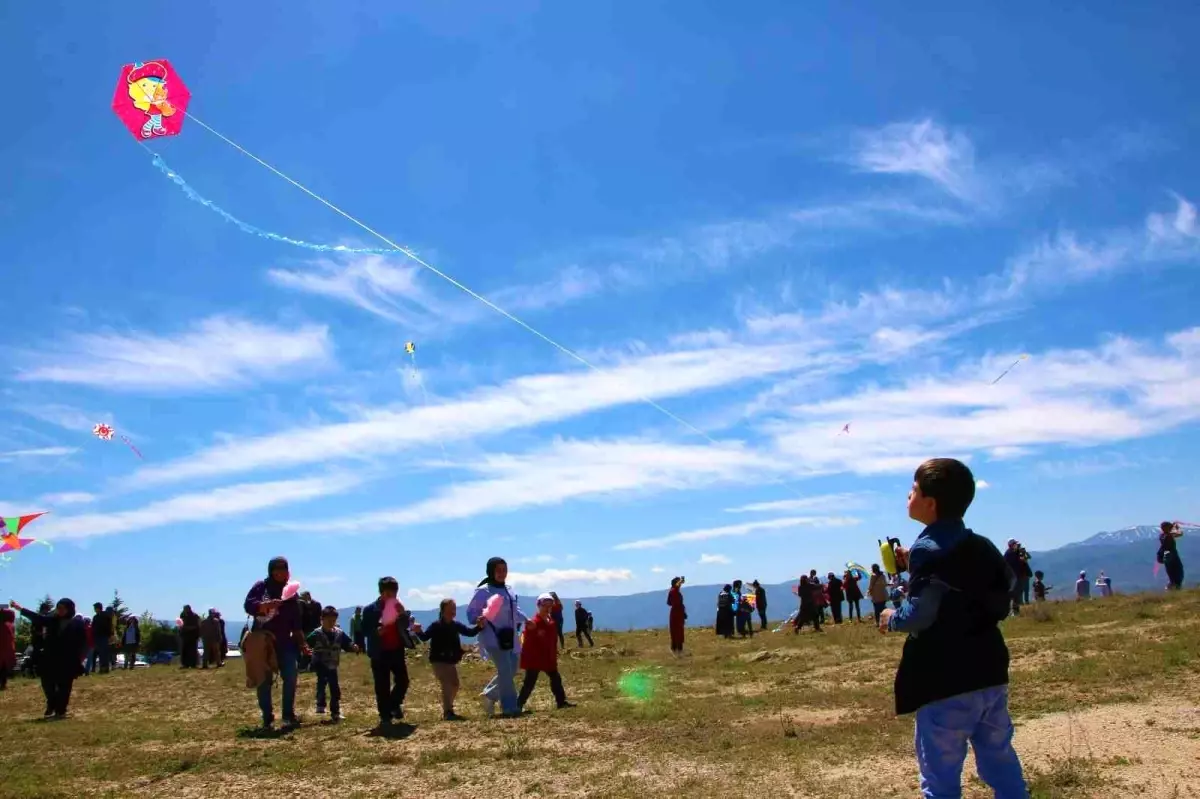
x=328 y=642
x=445 y=652
x=954 y=669
x=539 y=653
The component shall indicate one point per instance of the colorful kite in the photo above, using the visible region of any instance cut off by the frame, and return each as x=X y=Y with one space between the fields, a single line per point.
x=846 y=429
x=410 y=348
x=105 y=432
x=1009 y=369
x=151 y=99
x=856 y=570
x=10 y=533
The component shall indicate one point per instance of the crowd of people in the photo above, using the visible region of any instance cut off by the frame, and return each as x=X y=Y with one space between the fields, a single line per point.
x=950 y=593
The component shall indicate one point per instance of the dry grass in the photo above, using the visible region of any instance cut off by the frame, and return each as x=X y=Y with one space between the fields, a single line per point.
x=1103 y=694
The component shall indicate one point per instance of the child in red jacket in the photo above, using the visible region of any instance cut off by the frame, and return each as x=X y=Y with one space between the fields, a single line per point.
x=539 y=652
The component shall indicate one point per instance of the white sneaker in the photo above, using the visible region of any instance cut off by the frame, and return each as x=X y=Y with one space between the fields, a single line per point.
x=489 y=706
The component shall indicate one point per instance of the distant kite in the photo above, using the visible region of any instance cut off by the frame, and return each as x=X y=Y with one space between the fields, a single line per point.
x=846 y=429
x=1009 y=369
x=105 y=432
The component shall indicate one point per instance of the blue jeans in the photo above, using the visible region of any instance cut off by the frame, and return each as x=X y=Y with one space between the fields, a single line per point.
x=288 y=658
x=943 y=729
x=328 y=677
x=501 y=688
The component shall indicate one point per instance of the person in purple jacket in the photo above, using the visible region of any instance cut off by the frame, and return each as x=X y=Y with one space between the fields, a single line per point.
x=281 y=618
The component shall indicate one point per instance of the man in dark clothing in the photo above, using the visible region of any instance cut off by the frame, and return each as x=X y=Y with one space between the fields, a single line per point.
x=385 y=646
x=837 y=595
x=1019 y=565
x=760 y=603
x=103 y=628
x=953 y=672
x=281 y=619
x=63 y=642
x=583 y=625
x=189 y=638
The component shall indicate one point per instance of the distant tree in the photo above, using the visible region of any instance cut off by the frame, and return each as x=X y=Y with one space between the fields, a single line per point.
x=118 y=605
x=157 y=636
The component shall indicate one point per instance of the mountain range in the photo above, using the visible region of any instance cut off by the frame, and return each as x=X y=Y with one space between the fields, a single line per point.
x=1125 y=555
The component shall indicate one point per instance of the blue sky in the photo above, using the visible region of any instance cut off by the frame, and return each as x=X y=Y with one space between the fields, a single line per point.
x=772 y=222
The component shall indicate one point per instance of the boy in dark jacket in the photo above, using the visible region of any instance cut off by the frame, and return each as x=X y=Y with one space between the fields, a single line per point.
x=954 y=670
x=583 y=624
x=328 y=642
x=61 y=661
x=385 y=646
x=445 y=652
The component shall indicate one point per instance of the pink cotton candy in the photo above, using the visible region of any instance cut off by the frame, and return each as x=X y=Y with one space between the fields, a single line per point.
x=290 y=590
x=492 y=609
x=391 y=612
x=179 y=622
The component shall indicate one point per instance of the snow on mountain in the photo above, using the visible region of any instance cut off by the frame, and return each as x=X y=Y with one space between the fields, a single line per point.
x=1128 y=535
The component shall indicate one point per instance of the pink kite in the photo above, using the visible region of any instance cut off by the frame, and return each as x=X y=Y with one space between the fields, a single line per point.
x=290 y=590
x=150 y=99
x=492 y=609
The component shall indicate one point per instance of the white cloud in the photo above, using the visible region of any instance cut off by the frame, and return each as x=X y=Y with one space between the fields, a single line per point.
x=981 y=484
x=1123 y=390
x=67 y=498
x=37 y=452
x=65 y=416
x=563 y=471
x=522 y=402
x=921 y=148
x=208 y=506
x=389 y=287
x=710 y=560
x=547 y=580
x=572 y=284
x=1174 y=231
x=823 y=502
x=737 y=530
x=220 y=351
x=657 y=569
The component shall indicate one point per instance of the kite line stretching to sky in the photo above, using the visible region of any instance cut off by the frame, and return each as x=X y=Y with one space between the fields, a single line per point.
x=151 y=100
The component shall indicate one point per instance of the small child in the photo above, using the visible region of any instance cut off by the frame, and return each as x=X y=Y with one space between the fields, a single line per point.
x=1083 y=589
x=327 y=642
x=539 y=652
x=445 y=652
x=953 y=673
x=1039 y=586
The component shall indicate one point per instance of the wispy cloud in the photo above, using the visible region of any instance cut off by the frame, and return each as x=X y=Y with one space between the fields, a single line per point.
x=207 y=506
x=713 y=560
x=570 y=285
x=922 y=148
x=657 y=569
x=519 y=403
x=822 y=502
x=982 y=484
x=1120 y=391
x=567 y=470
x=67 y=498
x=219 y=352
x=37 y=452
x=388 y=287
x=65 y=416
x=738 y=530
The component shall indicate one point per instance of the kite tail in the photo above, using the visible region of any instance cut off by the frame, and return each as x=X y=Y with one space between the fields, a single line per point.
x=195 y=196
x=129 y=444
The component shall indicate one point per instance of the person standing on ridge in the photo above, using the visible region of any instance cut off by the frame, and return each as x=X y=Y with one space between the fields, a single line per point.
x=677 y=616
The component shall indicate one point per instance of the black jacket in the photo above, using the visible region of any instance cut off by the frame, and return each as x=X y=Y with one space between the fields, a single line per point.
x=963 y=650
x=102 y=625
x=581 y=619
x=836 y=593
x=64 y=642
x=444 y=644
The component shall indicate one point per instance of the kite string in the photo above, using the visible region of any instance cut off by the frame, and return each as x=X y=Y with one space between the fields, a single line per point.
x=460 y=286
x=420 y=380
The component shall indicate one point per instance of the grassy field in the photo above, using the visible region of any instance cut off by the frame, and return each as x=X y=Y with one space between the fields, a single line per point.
x=1104 y=693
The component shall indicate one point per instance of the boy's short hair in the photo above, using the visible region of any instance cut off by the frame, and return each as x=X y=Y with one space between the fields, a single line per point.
x=329 y=610
x=948 y=482
x=388 y=583
x=1039 y=574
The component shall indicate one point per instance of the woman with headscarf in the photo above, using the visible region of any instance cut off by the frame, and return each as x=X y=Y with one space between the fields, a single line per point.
x=8 y=645
x=725 y=603
x=1168 y=554
x=189 y=638
x=677 y=616
x=877 y=589
x=61 y=660
x=854 y=594
x=499 y=641
x=277 y=627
